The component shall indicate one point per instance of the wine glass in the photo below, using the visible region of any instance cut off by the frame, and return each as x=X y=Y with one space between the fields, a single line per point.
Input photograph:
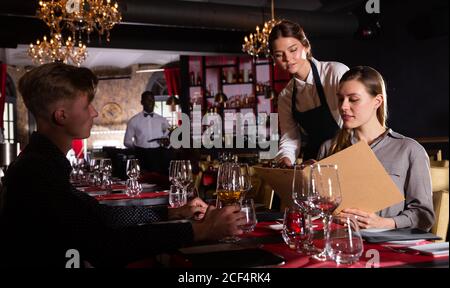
x=294 y=231
x=246 y=179
x=300 y=196
x=173 y=171
x=248 y=208
x=94 y=167
x=184 y=176
x=177 y=197
x=134 y=188
x=343 y=241
x=230 y=189
x=325 y=195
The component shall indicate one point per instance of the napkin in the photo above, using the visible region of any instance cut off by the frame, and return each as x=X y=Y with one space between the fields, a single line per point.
x=397 y=235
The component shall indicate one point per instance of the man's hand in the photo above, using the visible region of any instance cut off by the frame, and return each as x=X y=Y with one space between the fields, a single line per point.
x=194 y=209
x=219 y=223
x=368 y=220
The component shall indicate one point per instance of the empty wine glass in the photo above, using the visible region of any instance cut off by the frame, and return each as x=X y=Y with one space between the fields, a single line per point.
x=180 y=174
x=246 y=179
x=300 y=196
x=248 y=208
x=177 y=197
x=325 y=195
x=106 y=172
x=94 y=167
x=184 y=176
x=134 y=188
x=343 y=241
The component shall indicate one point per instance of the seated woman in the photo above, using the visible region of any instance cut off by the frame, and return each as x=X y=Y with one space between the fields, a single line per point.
x=363 y=107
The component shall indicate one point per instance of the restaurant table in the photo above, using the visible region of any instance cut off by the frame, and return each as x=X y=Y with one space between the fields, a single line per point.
x=149 y=197
x=143 y=199
x=266 y=238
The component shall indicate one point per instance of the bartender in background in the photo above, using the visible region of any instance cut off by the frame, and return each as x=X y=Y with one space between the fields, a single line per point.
x=148 y=133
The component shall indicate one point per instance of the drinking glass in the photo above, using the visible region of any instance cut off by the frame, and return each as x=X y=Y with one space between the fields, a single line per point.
x=94 y=167
x=300 y=196
x=325 y=195
x=180 y=174
x=246 y=179
x=295 y=230
x=106 y=172
x=185 y=177
x=177 y=197
x=134 y=188
x=173 y=171
x=343 y=241
x=230 y=189
x=248 y=208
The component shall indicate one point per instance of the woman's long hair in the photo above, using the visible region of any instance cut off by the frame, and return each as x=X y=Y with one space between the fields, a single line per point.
x=286 y=28
x=374 y=83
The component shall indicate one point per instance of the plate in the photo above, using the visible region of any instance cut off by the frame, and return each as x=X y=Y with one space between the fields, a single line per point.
x=432 y=249
x=375 y=230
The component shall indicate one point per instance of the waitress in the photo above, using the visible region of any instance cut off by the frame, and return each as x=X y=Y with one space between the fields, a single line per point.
x=307 y=106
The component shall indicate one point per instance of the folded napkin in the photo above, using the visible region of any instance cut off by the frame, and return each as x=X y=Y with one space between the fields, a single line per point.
x=144 y=195
x=397 y=235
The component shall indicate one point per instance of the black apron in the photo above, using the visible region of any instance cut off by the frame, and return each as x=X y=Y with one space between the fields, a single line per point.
x=318 y=123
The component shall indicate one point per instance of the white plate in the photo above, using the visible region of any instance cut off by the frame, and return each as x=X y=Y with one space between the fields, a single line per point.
x=375 y=230
x=432 y=249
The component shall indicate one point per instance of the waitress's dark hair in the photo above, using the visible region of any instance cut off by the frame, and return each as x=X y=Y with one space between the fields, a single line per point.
x=286 y=28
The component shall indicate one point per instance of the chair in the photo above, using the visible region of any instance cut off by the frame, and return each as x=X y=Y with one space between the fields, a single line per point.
x=440 y=187
x=261 y=191
x=437 y=163
x=435 y=154
x=441 y=210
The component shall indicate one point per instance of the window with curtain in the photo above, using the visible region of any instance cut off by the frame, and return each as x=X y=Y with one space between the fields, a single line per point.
x=9 y=112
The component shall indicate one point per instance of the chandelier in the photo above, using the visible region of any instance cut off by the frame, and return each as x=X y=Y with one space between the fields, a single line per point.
x=76 y=17
x=257 y=44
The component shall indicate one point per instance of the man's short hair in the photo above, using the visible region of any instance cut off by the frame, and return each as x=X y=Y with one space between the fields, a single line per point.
x=147 y=94
x=49 y=83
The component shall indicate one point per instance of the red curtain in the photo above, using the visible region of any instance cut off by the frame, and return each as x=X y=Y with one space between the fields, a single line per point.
x=77 y=146
x=3 y=73
x=172 y=76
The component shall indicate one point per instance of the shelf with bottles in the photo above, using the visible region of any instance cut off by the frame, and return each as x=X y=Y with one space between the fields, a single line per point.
x=195 y=71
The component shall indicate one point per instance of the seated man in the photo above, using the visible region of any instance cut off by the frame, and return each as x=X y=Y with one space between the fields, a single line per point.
x=44 y=216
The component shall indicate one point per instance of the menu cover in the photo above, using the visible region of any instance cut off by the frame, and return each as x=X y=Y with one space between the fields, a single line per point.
x=364 y=182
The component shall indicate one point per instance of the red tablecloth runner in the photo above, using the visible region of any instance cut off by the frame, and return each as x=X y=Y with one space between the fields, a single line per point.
x=98 y=189
x=144 y=195
x=387 y=257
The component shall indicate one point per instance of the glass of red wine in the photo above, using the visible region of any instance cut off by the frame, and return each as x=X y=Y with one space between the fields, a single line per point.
x=325 y=196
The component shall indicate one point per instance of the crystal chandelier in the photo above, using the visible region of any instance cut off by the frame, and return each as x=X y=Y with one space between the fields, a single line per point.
x=79 y=18
x=257 y=44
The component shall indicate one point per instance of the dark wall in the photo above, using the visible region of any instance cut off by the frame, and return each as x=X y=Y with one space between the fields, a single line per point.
x=411 y=52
